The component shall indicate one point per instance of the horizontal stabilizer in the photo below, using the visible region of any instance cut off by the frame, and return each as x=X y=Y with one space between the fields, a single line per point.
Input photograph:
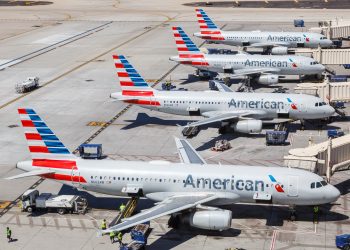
x=31 y=173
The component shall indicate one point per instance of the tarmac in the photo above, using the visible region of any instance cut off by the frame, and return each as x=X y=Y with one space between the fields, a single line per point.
x=69 y=46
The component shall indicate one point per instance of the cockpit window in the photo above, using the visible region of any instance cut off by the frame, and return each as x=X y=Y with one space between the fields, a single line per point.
x=318 y=184
x=313 y=63
x=313 y=185
x=316 y=104
x=322 y=38
x=324 y=183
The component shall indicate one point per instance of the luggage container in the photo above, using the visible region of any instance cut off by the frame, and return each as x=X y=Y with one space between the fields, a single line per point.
x=276 y=137
x=299 y=23
x=333 y=133
x=90 y=151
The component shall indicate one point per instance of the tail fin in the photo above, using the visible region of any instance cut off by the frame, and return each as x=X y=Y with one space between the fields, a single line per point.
x=184 y=44
x=205 y=23
x=43 y=143
x=131 y=83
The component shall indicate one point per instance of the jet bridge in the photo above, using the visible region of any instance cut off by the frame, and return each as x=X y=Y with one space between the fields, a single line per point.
x=324 y=158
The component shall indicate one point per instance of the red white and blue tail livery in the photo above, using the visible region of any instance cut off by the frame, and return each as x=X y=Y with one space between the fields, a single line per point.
x=208 y=29
x=43 y=143
x=134 y=88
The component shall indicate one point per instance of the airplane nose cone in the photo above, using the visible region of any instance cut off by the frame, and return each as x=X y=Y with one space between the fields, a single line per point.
x=322 y=67
x=333 y=194
x=331 y=110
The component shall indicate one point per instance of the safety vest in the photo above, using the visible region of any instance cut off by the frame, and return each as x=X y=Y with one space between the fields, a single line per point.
x=112 y=234
x=104 y=225
x=120 y=236
x=121 y=208
x=315 y=209
x=8 y=232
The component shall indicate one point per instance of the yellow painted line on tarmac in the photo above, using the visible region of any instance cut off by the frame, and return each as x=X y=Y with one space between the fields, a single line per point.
x=4 y=204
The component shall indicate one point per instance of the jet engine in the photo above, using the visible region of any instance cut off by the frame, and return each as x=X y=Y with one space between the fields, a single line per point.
x=247 y=126
x=279 y=51
x=268 y=79
x=209 y=219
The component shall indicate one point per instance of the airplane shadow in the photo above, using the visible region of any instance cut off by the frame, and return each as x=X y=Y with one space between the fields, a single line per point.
x=175 y=237
x=144 y=119
x=343 y=187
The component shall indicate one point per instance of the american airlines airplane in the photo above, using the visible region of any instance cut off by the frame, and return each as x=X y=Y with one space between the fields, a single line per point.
x=265 y=69
x=278 y=42
x=192 y=189
x=243 y=112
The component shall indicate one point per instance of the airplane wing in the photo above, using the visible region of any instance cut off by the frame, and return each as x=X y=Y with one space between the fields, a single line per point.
x=170 y=205
x=269 y=45
x=31 y=173
x=219 y=117
x=187 y=153
x=254 y=71
x=222 y=87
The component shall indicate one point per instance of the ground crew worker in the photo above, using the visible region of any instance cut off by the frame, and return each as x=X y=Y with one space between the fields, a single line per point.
x=104 y=224
x=8 y=234
x=120 y=238
x=112 y=236
x=122 y=207
x=316 y=210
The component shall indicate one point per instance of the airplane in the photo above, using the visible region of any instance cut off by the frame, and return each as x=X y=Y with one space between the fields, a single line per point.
x=276 y=43
x=192 y=189
x=242 y=112
x=264 y=69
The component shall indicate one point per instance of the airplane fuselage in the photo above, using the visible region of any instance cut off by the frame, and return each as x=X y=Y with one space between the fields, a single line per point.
x=283 y=65
x=286 y=39
x=158 y=179
x=271 y=105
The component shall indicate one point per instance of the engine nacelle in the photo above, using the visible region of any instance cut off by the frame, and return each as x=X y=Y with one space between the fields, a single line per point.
x=279 y=51
x=209 y=220
x=248 y=126
x=267 y=79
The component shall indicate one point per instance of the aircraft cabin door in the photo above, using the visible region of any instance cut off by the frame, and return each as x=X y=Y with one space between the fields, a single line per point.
x=75 y=178
x=293 y=185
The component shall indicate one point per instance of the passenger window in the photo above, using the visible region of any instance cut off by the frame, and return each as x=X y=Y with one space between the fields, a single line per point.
x=137 y=179
x=313 y=185
x=318 y=184
x=113 y=178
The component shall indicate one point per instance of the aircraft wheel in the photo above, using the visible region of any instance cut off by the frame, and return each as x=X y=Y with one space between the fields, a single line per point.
x=29 y=209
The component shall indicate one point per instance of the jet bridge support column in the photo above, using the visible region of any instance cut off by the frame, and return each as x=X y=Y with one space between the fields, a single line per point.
x=328 y=160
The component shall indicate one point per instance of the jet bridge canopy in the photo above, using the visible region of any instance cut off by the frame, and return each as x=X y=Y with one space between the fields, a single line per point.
x=324 y=158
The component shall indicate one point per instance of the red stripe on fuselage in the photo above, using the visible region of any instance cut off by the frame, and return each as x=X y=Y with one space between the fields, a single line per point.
x=61 y=164
x=144 y=102
x=211 y=32
x=64 y=177
x=191 y=56
x=137 y=93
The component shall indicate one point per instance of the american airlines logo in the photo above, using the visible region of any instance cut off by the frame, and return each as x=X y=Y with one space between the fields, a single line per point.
x=266 y=63
x=261 y=104
x=224 y=184
x=284 y=38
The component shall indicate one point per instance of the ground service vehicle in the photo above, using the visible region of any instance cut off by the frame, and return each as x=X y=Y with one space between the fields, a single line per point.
x=29 y=84
x=32 y=200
